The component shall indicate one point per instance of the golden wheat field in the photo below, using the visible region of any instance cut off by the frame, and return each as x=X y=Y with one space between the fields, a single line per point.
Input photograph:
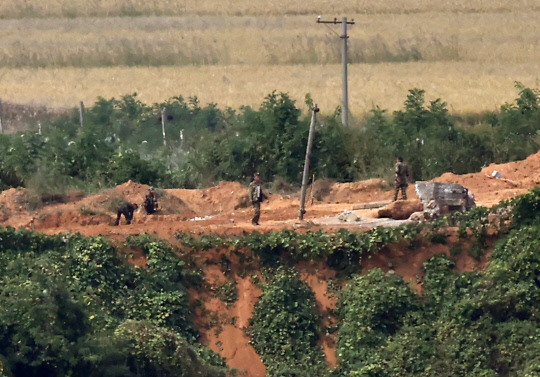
x=233 y=53
x=74 y=8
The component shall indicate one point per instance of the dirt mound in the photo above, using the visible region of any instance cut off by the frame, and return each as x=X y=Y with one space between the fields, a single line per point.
x=400 y=210
x=516 y=178
x=356 y=192
x=213 y=200
x=11 y=201
x=59 y=218
x=135 y=192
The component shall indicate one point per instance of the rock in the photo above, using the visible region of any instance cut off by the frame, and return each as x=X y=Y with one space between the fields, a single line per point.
x=349 y=217
x=441 y=199
x=494 y=218
x=418 y=216
x=400 y=210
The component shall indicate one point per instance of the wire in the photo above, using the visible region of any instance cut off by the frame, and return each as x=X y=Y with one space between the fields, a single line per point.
x=332 y=30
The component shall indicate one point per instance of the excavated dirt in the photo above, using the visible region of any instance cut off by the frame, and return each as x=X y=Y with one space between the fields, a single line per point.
x=222 y=209
x=516 y=178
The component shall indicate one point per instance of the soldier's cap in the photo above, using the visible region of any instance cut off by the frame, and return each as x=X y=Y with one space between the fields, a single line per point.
x=256 y=175
x=151 y=189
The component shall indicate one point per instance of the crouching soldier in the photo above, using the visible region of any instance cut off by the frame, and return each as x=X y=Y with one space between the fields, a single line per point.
x=127 y=210
x=150 y=202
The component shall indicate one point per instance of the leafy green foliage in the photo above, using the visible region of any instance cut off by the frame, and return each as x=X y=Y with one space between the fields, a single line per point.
x=371 y=308
x=514 y=130
x=467 y=324
x=526 y=208
x=122 y=139
x=158 y=351
x=64 y=298
x=227 y=292
x=285 y=327
x=71 y=305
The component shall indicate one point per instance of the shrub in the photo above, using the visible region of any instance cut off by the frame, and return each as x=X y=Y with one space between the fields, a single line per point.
x=370 y=309
x=285 y=327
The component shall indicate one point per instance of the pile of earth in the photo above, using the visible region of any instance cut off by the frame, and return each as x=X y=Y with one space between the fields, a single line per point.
x=516 y=178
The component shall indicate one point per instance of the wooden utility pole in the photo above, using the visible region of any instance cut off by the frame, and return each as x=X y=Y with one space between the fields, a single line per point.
x=163 y=126
x=305 y=176
x=344 y=60
x=81 y=113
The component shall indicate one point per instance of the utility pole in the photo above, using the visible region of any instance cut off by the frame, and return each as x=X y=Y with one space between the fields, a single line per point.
x=344 y=53
x=302 y=210
x=163 y=126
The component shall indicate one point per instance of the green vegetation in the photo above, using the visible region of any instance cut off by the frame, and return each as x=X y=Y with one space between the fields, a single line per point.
x=285 y=327
x=468 y=324
x=227 y=292
x=343 y=250
x=69 y=305
x=122 y=139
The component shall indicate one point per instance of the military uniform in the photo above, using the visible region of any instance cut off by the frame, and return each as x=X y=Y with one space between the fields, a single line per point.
x=150 y=203
x=402 y=176
x=256 y=196
x=127 y=210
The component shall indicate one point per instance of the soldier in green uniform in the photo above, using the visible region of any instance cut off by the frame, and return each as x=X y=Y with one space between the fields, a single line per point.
x=256 y=196
x=402 y=176
x=150 y=201
x=127 y=210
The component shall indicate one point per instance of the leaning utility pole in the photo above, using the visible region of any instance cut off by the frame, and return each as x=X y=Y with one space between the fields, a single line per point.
x=302 y=211
x=345 y=91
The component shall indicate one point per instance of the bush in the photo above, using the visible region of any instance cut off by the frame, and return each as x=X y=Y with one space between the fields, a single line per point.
x=370 y=309
x=62 y=298
x=156 y=351
x=285 y=327
x=526 y=208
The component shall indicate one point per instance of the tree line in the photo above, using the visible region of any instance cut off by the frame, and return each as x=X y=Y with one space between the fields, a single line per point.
x=122 y=139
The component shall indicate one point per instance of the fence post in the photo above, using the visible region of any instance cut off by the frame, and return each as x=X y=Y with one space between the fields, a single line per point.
x=81 y=113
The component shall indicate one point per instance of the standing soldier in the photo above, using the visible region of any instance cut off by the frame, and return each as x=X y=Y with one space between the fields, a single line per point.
x=127 y=210
x=256 y=196
x=150 y=201
x=402 y=176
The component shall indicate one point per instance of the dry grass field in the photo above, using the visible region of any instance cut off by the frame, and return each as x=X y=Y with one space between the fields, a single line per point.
x=85 y=8
x=233 y=53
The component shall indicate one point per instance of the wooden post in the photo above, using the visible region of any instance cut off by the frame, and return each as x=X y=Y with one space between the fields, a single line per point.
x=163 y=126
x=1 y=115
x=302 y=210
x=81 y=113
